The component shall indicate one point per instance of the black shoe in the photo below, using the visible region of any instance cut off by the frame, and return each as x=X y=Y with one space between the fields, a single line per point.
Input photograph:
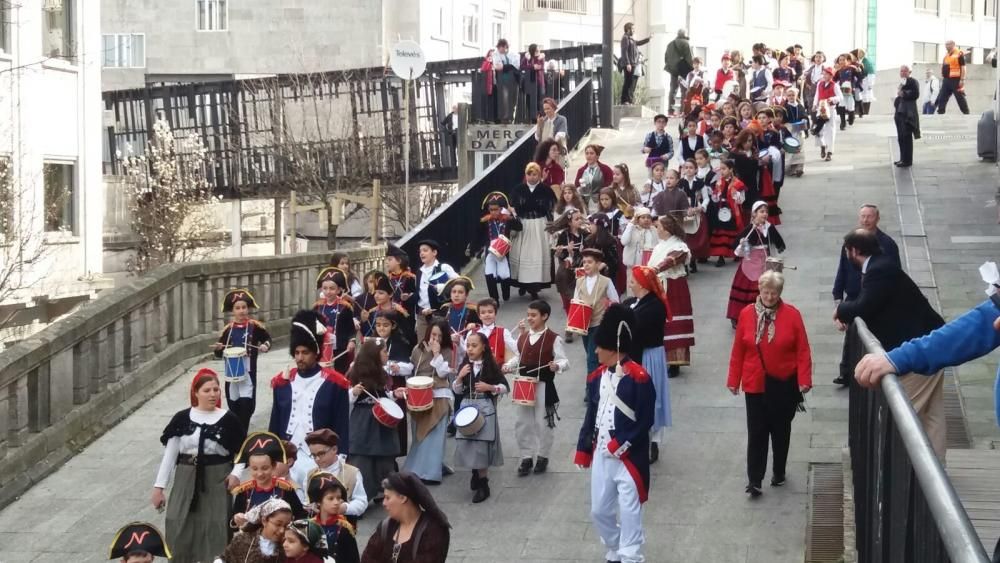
x=694 y=267
x=451 y=430
x=445 y=470
x=654 y=452
x=673 y=371
x=841 y=381
x=525 y=467
x=474 y=480
x=483 y=492
x=733 y=322
x=754 y=490
x=720 y=262
x=534 y=297
x=430 y=482
x=542 y=465
x=902 y=164
x=702 y=260
x=822 y=152
x=777 y=481
x=522 y=292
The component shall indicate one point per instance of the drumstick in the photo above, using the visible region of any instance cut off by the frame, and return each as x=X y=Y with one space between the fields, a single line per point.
x=337 y=357
x=536 y=369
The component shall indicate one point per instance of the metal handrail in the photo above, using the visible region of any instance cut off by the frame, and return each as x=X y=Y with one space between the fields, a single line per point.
x=957 y=533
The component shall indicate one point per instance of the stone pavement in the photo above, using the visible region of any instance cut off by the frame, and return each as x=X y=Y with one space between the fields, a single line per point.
x=697 y=510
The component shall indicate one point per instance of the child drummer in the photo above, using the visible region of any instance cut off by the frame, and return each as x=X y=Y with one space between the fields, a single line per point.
x=501 y=340
x=596 y=291
x=540 y=357
x=337 y=310
x=499 y=222
x=461 y=317
x=398 y=365
x=246 y=334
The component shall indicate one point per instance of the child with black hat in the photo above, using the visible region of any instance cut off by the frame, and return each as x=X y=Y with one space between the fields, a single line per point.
x=261 y=452
x=309 y=396
x=499 y=222
x=385 y=305
x=244 y=337
x=328 y=494
x=337 y=310
x=138 y=542
x=614 y=438
x=404 y=281
x=430 y=280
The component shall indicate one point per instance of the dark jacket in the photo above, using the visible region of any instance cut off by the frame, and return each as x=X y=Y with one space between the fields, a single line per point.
x=847 y=284
x=678 y=57
x=907 y=113
x=891 y=305
x=650 y=316
x=330 y=410
x=630 y=52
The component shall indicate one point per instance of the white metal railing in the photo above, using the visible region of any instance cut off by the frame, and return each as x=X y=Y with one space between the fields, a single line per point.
x=571 y=6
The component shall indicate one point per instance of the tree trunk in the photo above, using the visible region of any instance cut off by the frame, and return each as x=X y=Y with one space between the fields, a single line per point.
x=331 y=228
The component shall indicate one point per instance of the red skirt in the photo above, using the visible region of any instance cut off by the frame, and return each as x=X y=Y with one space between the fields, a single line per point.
x=770 y=196
x=742 y=293
x=678 y=332
x=699 y=241
x=722 y=242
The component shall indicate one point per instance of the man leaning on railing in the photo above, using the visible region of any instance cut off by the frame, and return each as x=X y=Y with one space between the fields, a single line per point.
x=970 y=336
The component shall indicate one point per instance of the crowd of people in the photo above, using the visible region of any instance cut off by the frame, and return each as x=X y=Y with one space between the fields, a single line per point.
x=394 y=363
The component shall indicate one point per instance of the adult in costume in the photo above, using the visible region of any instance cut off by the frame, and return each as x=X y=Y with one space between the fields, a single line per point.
x=772 y=363
x=907 y=116
x=530 y=257
x=652 y=312
x=669 y=259
x=593 y=175
x=138 y=541
x=614 y=438
x=415 y=530
x=200 y=442
x=309 y=397
x=756 y=243
x=250 y=335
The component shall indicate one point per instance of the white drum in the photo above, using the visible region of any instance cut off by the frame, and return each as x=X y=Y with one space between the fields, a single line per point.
x=237 y=364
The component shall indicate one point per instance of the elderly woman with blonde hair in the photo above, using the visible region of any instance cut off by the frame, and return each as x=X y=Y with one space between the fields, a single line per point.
x=772 y=363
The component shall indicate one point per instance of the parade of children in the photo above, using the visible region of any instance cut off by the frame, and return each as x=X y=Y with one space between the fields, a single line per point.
x=398 y=386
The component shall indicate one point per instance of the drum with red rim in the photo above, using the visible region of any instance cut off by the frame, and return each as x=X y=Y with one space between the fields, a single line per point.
x=387 y=412
x=578 y=317
x=326 y=354
x=500 y=246
x=524 y=391
x=419 y=393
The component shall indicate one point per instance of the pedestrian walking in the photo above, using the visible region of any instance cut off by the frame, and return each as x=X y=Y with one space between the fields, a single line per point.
x=679 y=62
x=953 y=78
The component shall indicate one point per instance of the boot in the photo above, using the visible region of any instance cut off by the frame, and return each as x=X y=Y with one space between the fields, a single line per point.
x=474 y=481
x=525 y=467
x=693 y=268
x=483 y=492
x=822 y=152
x=491 y=286
x=850 y=118
x=505 y=288
x=720 y=262
x=542 y=465
x=673 y=371
x=654 y=452
x=829 y=156
x=843 y=121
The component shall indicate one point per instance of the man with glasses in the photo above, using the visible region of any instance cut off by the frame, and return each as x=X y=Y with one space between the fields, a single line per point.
x=324 y=455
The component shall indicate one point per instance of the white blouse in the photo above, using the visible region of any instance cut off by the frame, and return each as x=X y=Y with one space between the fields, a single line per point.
x=188 y=445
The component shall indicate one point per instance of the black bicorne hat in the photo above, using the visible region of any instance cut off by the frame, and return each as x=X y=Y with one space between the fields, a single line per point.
x=334 y=274
x=262 y=443
x=382 y=283
x=234 y=295
x=138 y=537
x=307 y=330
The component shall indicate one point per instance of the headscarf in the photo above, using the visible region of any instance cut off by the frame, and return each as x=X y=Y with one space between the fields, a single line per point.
x=647 y=278
x=765 y=317
x=312 y=535
x=202 y=375
x=410 y=486
x=257 y=514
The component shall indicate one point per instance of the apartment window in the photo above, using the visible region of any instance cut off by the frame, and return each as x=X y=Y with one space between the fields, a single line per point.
x=497 y=26
x=962 y=8
x=734 y=12
x=4 y=26
x=797 y=15
x=990 y=8
x=213 y=15
x=124 y=50
x=442 y=22
x=57 y=28
x=926 y=5
x=60 y=205
x=470 y=26
x=925 y=52
x=764 y=13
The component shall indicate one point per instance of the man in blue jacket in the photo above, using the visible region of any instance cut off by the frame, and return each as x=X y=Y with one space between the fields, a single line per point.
x=614 y=438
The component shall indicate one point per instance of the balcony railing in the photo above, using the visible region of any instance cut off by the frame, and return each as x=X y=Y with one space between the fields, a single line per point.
x=570 y=6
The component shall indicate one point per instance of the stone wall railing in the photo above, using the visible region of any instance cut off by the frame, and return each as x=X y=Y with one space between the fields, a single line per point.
x=68 y=384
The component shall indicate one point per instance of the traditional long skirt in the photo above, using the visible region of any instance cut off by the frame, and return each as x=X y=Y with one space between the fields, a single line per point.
x=699 y=241
x=530 y=257
x=654 y=361
x=743 y=292
x=723 y=234
x=374 y=446
x=426 y=455
x=796 y=161
x=400 y=381
x=198 y=533
x=471 y=453
x=621 y=277
x=769 y=194
x=678 y=332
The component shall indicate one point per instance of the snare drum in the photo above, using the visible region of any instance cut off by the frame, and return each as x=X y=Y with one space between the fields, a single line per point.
x=237 y=364
x=326 y=354
x=578 y=317
x=419 y=393
x=773 y=264
x=500 y=246
x=792 y=145
x=524 y=391
x=469 y=421
x=387 y=412
x=724 y=214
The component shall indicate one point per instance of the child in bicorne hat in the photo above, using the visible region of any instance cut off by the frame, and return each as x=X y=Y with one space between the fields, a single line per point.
x=138 y=542
x=251 y=335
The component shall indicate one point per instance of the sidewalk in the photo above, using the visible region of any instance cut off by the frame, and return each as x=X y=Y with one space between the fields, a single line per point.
x=697 y=510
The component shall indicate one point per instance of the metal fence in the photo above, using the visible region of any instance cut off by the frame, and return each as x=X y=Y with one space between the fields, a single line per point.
x=906 y=510
x=450 y=224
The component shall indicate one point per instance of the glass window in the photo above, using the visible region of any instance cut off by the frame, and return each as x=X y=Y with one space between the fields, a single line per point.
x=924 y=52
x=4 y=26
x=990 y=8
x=734 y=12
x=442 y=22
x=962 y=7
x=927 y=5
x=124 y=50
x=212 y=15
x=60 y=205
x=58 y=40
x=470 y=27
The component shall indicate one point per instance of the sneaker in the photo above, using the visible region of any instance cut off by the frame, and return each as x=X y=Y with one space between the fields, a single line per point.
x=754 y=491
x=525 y=467
x=777 y=481
x=542 y=465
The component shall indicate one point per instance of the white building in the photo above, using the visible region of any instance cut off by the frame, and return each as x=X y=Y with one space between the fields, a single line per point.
x=453 y=29
x=50 y=142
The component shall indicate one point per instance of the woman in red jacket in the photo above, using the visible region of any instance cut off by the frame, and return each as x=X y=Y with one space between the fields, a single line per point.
x=593 y=175
x=771 y=361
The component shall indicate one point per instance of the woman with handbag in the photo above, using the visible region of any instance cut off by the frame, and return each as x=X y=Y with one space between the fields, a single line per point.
x=772 y=363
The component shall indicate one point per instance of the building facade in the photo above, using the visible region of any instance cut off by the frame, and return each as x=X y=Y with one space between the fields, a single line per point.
x=50 y=152
x=201 y=39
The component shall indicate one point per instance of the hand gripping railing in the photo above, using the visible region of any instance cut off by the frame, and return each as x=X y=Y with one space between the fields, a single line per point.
x=891 y=516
